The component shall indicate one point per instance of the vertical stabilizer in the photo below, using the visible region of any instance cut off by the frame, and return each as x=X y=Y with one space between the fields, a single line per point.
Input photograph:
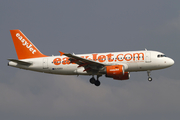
x=24 y=47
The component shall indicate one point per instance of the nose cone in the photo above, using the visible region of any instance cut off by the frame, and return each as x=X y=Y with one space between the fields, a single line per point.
x=170 y=62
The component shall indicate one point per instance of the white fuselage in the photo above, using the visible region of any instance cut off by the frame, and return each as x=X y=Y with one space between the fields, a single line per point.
x=132 y=61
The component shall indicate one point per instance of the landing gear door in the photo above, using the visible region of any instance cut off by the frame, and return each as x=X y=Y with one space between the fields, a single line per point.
x=148 y=57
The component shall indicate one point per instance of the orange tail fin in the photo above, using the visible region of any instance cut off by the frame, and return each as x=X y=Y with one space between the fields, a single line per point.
x=24 y=47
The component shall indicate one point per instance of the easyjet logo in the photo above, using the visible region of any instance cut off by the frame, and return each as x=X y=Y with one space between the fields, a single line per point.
x=25 y=43
x=129 y=57
x=114 y=69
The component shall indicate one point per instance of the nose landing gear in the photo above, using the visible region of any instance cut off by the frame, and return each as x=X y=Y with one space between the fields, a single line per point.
x=94 y=81
x=149 y=78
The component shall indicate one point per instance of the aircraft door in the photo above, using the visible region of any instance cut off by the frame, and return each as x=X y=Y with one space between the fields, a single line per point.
x=45 y=63
x=148 y=57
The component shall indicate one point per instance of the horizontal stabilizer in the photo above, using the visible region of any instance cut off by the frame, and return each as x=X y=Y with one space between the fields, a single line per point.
x=20 y=62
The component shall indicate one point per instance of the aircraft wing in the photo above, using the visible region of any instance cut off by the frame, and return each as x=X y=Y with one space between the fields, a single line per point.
x=82 y=62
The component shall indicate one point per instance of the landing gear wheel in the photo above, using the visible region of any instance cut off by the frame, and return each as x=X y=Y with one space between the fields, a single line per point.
x=97 y=83
x=149 y=79
x=92 y=80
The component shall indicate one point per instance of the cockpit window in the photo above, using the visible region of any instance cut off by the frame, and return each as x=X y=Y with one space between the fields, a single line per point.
x=161 y=55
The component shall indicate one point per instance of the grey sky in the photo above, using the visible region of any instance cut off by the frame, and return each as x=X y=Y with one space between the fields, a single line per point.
x=83 y=26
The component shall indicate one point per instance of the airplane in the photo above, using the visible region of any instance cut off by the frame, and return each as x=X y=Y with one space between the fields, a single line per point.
x=116 y=65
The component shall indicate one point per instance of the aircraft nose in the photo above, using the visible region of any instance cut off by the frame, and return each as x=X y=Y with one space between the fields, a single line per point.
x=170 y=62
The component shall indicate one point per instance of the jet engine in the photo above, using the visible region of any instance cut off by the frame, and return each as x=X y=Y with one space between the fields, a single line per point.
x=117 y=72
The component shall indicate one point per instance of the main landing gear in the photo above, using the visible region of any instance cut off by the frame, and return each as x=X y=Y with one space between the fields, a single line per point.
x=94 y=81
x=149 y=78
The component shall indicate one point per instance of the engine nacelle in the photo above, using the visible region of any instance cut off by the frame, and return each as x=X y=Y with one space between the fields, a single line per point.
x=117 y=72
x=126 y=76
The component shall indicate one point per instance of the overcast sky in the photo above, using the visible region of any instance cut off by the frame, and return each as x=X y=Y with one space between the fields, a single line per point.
x=88 y=26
